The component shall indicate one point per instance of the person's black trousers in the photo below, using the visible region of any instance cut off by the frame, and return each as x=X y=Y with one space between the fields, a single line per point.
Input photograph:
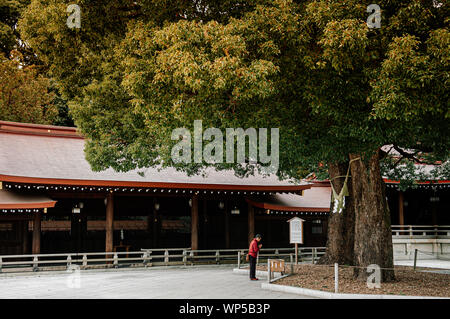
x=252 y=261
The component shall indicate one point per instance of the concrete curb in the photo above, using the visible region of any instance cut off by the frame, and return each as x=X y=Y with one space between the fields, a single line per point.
x=331 y=295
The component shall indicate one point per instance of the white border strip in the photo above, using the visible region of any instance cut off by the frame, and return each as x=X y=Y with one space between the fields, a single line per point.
x=331 y=295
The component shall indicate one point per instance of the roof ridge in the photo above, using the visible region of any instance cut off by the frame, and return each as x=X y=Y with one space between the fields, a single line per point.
x=38 y=129
x=23 y=124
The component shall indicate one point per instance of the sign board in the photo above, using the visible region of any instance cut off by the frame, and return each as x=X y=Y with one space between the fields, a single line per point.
x=296 y=230
x=276 y=265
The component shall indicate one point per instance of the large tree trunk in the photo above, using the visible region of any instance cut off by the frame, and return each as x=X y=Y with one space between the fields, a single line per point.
x=373 y=237
x=340 y=226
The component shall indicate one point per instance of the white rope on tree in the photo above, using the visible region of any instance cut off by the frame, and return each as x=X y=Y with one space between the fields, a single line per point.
x=339 y=199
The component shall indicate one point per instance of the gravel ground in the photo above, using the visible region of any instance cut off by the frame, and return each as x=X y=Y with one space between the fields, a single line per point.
x=408 y=282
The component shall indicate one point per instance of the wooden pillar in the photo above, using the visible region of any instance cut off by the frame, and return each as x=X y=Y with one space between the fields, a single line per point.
x=227 y=226
x=251 y=223
x=150 y=223
x=401 y=218
x=25 y=237
x=434 y=217
x=434 y=205
x=194 y=223
x=18 y=229
x=205 y=224
x=109 y=241
x=155 y=223
x=37 y=233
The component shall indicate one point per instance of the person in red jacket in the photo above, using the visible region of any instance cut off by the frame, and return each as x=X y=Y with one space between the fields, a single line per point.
x=255 y=246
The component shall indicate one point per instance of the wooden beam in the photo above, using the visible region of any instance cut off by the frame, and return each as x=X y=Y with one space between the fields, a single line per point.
x=109 y=240
x=194 y=223
x=61 y=182
x=251 y=222
x=37 y=233
x=401 y=217
x=15 y=216
x=79 y=195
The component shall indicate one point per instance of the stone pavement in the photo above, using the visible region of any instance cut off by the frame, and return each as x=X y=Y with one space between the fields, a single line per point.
x=205 y=282
x=428 y=263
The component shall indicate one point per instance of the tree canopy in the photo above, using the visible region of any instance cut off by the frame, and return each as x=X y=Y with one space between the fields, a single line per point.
x=137 y=70
x=337 y=89
x=27 y=94
x=24 y=93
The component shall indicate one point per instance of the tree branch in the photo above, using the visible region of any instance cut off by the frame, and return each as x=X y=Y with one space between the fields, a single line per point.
x=411 y=156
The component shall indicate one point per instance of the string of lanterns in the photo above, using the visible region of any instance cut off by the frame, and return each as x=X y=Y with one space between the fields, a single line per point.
x=22 y=210
x=138 y=190
x=427 y=186
x=277 y=212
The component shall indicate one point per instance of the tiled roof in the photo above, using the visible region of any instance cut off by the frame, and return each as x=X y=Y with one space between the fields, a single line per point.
x=315 y=199
x=43 y=154
x=12 y=200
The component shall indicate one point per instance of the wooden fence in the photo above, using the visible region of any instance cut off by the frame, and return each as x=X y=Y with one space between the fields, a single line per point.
x=420 y=231
x=147 y=258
